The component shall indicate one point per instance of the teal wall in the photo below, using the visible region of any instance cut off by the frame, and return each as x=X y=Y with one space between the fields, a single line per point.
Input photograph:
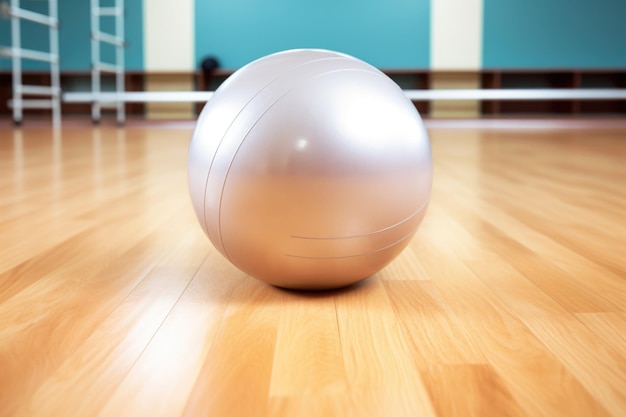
x=554 y=34
x=74 y=38
x=385 y=33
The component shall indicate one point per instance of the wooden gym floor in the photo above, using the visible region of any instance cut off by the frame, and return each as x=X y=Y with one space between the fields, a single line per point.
x=511 y=299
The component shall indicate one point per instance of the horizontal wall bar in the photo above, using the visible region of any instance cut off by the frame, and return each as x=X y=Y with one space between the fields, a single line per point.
x=42 y=19
x=519 y=94
x=28 y=54
x=138 y=97
x=417 y=95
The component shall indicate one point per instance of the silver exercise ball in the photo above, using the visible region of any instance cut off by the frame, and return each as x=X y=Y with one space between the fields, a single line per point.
x=309 y=169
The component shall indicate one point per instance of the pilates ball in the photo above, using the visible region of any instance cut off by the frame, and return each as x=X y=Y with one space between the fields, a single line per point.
x=309 y=169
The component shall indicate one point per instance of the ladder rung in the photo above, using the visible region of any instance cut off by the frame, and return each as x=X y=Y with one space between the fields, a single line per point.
x=34 y=104
x=101 y=66
x=108 y=11
x=29 y=54
x=40 y=90
x=33 y=17
x=107 y=38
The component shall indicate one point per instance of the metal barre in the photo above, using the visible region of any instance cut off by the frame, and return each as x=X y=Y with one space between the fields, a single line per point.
x=417 y=95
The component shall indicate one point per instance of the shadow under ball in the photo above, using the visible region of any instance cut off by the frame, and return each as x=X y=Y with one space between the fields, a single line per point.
x=309 y=169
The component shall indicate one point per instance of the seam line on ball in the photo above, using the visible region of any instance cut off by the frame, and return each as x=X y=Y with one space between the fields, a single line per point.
x=415 y=213
x=408 y=235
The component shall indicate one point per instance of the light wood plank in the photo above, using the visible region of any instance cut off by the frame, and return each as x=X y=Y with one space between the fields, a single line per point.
x=173 y=358
x=557 y=269
x=235 y=377
x=609 y=327
x=599 y=368
x=380 y=385
x=124 y=331
x=484 y=393
x=314 y=349
x=515 y=354
x=435 y=337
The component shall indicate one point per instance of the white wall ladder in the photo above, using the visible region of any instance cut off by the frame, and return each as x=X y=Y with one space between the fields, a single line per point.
x=17 y=53
x=98 y=67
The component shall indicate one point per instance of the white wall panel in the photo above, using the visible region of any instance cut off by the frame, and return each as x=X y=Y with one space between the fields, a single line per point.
x=168 y=35
x=456 y=34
